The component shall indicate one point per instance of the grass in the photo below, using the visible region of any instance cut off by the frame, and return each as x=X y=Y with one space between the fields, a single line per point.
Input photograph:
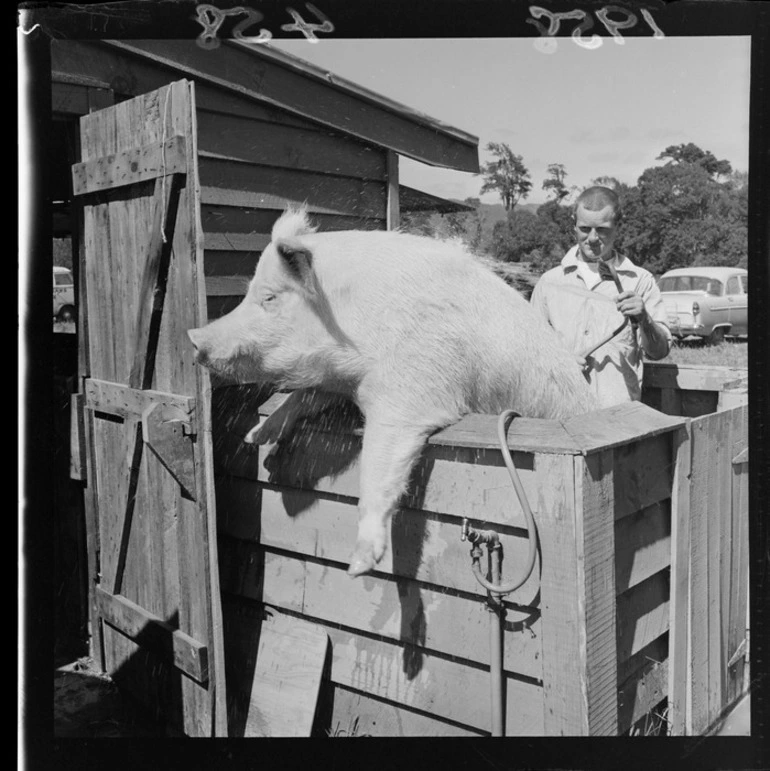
x=731 y=353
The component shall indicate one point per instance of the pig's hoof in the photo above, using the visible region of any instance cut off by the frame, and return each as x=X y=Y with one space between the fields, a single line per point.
x=362 y=563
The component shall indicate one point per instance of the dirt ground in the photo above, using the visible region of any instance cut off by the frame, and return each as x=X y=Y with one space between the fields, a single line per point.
x=88 y=705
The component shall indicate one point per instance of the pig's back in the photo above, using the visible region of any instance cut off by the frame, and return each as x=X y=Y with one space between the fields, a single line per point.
x=448 y=322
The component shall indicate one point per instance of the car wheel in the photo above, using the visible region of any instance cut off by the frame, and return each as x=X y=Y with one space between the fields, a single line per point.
x=716 y=337
x=66 y=313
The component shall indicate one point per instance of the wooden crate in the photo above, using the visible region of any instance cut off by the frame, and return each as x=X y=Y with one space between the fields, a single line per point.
x=586 y=637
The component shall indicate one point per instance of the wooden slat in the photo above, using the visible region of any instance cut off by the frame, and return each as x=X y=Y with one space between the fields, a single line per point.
x=464 y=483
x=231 y=218
x=147 y=162
x=392 y=209
x=350 y=195
x=382 y=670
x=643 y=473
x=227 y=286
x=595 y=547
x=122 y=400
x=719 y=559
x=683 y=377
x=154 y=633
x=287 y=678
x=642 y=615
x=251 y=141
x=422 y=546
x=236 y=242
x=230 y=263
x=638 y=696
x=403 y=611
x=357 y=714
x=739 y=572
x=152 y=291
x=702 y=468
x=679 y=617
x=564 y=684
x=642 y=545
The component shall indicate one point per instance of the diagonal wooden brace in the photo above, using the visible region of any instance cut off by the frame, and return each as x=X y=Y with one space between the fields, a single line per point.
x=163 y=432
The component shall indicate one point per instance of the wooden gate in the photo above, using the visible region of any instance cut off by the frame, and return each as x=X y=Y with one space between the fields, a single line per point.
x=155 y=606
x=710 y=619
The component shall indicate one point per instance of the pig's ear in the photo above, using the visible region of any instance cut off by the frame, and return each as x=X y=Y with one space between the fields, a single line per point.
x=298 y=261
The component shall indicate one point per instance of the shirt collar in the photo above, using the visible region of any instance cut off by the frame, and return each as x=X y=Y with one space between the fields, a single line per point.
x=622 y=264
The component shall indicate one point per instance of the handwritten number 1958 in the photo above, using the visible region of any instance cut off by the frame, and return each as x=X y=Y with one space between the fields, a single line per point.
x=612 y=26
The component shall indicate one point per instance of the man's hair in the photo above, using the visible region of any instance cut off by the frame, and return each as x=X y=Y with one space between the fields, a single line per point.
x=596 y=198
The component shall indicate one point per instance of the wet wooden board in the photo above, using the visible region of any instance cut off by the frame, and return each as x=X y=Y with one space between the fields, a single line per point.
x=287 y=678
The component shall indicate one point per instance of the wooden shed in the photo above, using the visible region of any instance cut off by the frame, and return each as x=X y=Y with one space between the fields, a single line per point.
x=169 y=165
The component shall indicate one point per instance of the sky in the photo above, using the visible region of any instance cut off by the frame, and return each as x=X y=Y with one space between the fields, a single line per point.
x=607 y=111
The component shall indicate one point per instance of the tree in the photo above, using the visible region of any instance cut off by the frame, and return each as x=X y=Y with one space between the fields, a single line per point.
x=507 y=175
x=691 y=153
x=555 y=183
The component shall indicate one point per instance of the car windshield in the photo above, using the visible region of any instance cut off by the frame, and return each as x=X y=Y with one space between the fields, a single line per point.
x=61 y=279
x=690 y=284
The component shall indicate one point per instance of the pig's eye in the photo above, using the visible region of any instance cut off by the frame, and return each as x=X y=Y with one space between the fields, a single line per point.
x=268 y=298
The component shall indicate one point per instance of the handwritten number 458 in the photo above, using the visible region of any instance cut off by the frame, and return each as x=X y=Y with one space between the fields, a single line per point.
x=210 y=18
x=554 y=21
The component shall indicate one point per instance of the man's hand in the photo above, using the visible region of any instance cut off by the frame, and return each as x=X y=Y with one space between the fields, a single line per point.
x=631 y=305
x=654 y=340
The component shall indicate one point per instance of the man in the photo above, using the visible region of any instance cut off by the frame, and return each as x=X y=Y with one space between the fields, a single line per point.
x=583 y=304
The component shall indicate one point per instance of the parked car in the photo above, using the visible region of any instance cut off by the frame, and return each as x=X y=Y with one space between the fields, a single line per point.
x=63 y=294
x=706 y=302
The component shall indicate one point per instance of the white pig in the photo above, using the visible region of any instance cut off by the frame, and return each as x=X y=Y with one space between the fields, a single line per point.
x=416 y=331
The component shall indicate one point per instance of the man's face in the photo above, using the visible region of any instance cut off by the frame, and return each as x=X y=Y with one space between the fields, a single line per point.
x=596 y=231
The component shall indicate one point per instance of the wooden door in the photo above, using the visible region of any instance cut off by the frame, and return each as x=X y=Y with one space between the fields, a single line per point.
x=719 y=566
x=155 y=609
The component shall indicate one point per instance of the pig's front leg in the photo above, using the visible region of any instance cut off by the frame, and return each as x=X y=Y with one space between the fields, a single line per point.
x=303 y=403
x=387 y=456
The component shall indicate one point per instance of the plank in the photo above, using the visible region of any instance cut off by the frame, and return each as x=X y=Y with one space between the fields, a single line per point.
x=642 y=615
x=689 y=377
x=618 y=425
x=236 y=242
x=564 y=678
x=124 y=401
x=401 y=610
x=187 y=654
x=643 y=473
x=391 y=177
x=445 y=481
x=129 y=167
x=287 y=678
x=227 y=286
x=76 y=98
x=595 y=552
x=738 y=617
x=253 y=141
x=423 y=547
x=702 y=468
x=638 y=696
x=230 y=263
x=225 y=214
x=351 y=196
x=680 y=614
x=642 y=545
x=440 y=687
x=357 y=714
